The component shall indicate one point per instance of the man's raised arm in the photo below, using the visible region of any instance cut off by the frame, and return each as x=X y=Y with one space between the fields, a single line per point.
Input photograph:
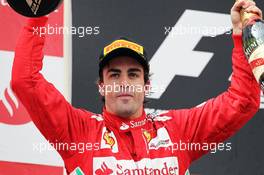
x=57 y=120
x=219 y=118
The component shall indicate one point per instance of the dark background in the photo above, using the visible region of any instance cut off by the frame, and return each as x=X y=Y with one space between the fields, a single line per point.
x=144 y=21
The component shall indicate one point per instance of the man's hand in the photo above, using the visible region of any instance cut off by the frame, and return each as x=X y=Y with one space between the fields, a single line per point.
x=249 y=6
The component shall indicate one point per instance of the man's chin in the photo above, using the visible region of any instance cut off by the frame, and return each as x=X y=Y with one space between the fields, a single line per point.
x=125 y=110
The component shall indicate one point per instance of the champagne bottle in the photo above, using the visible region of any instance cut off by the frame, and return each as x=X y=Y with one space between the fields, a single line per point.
x=253 y=43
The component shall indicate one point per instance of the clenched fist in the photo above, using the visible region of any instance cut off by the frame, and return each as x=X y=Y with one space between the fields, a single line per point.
x=249 y=6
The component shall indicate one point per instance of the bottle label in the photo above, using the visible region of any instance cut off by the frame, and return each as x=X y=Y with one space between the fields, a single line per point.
x=262 y=83
x=256 y=61
x=253 y=37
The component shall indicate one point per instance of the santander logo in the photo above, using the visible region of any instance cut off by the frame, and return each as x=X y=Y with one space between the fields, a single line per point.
x=11 y=109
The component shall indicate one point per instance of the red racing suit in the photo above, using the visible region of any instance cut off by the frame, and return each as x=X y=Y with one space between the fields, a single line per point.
x=150 y=144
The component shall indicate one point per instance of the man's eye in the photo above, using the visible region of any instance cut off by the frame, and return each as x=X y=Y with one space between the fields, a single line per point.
x=114 y=75
x=133 y=75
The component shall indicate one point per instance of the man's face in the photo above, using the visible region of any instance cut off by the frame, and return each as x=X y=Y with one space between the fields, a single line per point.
x=123 y=87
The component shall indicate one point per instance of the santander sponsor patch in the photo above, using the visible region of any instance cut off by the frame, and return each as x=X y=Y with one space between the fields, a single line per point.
x=133 y=124
x=138 y=123
x=146 y=166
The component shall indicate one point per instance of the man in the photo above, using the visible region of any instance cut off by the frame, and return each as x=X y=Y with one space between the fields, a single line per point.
x=123 y=139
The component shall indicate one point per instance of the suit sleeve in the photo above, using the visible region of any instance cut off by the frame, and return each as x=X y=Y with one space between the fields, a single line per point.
x=56 y=119
x=219 y=118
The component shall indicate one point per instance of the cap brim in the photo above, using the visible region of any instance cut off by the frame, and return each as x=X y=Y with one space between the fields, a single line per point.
x=124 y=52
x=45 y=7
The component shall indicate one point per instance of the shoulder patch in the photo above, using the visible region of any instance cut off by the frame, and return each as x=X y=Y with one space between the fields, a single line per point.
x=162 y=118
x=98 y=117
x=200 y=105
x=157 y=117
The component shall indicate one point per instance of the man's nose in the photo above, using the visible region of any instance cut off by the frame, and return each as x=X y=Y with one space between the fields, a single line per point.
x=124 y=82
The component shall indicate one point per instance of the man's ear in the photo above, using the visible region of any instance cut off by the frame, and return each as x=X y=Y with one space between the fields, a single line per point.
x=147 y=88
x=101 y=88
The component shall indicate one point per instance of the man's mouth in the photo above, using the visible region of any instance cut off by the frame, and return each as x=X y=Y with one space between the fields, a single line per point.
x=125 y=95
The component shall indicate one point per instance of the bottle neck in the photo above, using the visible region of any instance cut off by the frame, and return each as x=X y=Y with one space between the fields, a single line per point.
x=248 y=18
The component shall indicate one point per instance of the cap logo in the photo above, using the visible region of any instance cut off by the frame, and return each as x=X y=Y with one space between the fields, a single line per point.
x=123 y=44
